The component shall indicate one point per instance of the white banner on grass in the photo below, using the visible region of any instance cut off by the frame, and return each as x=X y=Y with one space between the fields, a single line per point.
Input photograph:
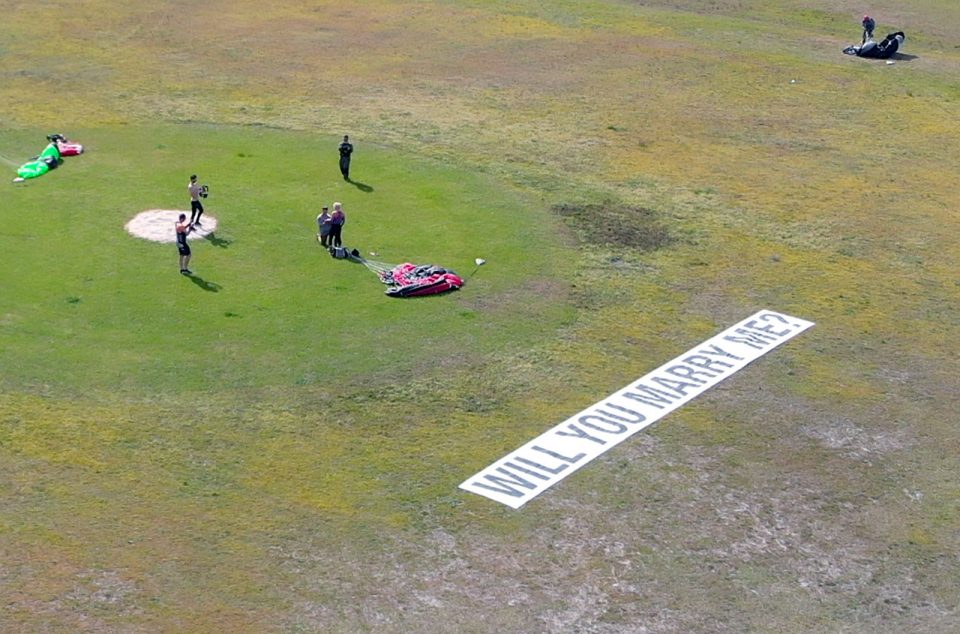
x=527 y=472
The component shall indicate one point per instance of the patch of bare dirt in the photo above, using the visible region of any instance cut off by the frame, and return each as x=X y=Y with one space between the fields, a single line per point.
x=616 y=224
x=157 y=225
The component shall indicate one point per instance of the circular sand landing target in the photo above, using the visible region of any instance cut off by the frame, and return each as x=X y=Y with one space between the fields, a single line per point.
x=158 y=225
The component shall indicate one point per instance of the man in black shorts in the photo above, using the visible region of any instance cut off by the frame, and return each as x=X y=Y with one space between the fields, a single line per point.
x=346 y=149
x=183 y=230
x=196 y=209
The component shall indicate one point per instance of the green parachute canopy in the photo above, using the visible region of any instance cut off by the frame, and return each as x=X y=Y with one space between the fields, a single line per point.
x=49 y=159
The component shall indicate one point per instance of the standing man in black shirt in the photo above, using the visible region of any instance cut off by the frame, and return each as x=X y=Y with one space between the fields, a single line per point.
x=346 y=149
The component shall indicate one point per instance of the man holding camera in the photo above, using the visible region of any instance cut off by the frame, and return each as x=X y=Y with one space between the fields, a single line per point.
x=197 y=192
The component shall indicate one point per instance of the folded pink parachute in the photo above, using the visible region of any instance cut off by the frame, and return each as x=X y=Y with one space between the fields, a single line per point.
x=70 y=149
x=66 y=147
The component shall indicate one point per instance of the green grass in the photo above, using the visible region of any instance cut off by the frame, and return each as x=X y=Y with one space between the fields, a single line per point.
x=283 y=454
x=88 y=307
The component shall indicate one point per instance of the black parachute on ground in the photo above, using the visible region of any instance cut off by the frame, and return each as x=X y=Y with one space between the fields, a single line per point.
x=878 y=50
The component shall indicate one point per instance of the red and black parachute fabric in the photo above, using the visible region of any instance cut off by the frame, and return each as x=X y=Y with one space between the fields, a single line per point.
x=409 y=280
x=412 y=280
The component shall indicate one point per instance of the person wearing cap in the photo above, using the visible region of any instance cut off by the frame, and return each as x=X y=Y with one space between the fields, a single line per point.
x=324 y=225
x=868 y=26
x=346 y=149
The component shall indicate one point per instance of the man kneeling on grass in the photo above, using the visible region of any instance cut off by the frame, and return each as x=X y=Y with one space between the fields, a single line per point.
x=183 y=229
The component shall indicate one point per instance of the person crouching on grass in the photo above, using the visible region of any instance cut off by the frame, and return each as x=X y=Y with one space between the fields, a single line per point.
x=183 y=229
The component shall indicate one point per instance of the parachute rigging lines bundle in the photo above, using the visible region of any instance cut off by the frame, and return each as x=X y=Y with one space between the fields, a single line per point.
x=411 y=280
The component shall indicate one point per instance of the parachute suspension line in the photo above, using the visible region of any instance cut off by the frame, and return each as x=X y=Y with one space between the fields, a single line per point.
x=377 y=267
x=9 y=161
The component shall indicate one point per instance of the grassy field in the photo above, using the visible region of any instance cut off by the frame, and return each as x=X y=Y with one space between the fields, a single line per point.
x=276 y=446
x=271 y=308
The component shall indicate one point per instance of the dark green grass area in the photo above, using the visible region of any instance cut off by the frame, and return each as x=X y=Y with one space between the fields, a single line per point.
x=87 y=306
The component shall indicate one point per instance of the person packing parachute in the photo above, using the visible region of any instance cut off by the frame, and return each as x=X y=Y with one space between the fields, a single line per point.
x=868 y=24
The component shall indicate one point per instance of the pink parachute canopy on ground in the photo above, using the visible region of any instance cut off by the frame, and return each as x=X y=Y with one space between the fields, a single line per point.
x=407 y=280
x=411 y=280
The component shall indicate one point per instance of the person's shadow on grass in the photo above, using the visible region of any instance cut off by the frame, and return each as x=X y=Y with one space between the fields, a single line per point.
x=210 y=287
x=223 y=243
x=361 y=186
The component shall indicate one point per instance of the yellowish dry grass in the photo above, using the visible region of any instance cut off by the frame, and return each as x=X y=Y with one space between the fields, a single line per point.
x=793 y=178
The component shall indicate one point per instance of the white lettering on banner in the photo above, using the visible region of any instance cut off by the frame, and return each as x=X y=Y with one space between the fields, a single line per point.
x=530 y=470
